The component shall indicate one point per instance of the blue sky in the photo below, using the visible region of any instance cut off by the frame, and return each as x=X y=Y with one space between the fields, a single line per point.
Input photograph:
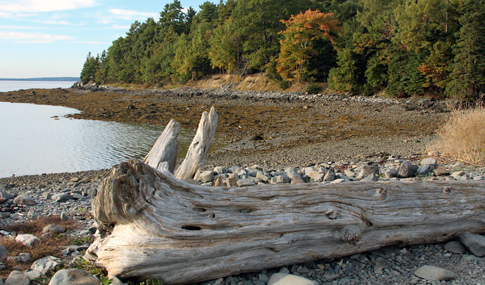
x=51 y=38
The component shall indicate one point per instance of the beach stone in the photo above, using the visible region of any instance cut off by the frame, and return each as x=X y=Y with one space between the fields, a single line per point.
x=206 y=176
x=231 y=181
x=308 y=170
x=27 y=239
x=116 y=281
x=318 y=178
x=53 y=229
x=220 y=170
x=291 y=171
x=407 y=169
x=330 y=175
x=261 y=176
x=33 y=274
x=390 y=173
x=296 y=179
x=474 y=243
x=219 y=181
x=73 y=277
x=245 y=182
x=3 y=252
x=25 y=256
x=17 y=278
x=424 y=170
x=349 y=173
x=288 y=279
x=368 y=170
x=455 y=247
x=429 y=161
x=63 y=198
x=45 y=264
x=6 y=195
x=434 y=273
x=74 y=179
x=24 y=201
x=282 y=179
x=441 y=172
x=4 y=215
x=371 y=177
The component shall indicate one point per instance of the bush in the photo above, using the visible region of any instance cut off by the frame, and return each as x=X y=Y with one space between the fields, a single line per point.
x=462 y=137
x=284 y=85
x=313 y=89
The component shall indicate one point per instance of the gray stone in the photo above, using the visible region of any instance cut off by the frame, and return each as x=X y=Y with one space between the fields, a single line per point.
x=318 y=178
x=390 y=173
x=64 y=216
x=282 y=179
x=219 y=181
x=261 y=176
x=349 y=173
x=72 y=277
x=288 y=279
x=206 y=176
x=330 y=175
x=245 y=182
x=53 y=229
x=429 y=161
x=424 y=170
x=296 y=179
x=2 y=267
x=407 y=169
x=441 y=172
x=474 y=243
x=6 y=196
x=116 y=281
x=308 y=170
x=4 y=215
x=25 y=256
x=231 y=181
x=478 y=178
x=33 y=274
x=220 y=170
x=27 y=239
x=371 y=177
x=3 y=252
x=291 y=171
x=434 y=273
x=455 y=247
x=369 y=169
x=24 y=201
x=45 y=264
x=63 y=197
x=17 y=278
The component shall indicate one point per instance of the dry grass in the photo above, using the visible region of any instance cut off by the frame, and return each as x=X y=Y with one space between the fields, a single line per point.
x=52 y=245
x=462 y=137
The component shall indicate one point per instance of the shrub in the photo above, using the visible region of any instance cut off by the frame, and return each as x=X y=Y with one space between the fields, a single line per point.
x=313 y=89
x=284 y=85
x=462 y=137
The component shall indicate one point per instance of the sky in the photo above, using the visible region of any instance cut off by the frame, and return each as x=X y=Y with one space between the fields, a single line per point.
x=51 y=38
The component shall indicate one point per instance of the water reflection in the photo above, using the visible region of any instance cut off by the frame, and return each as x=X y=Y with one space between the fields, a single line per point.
x=37 y=139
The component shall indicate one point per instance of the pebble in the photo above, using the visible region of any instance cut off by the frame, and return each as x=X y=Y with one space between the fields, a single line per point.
x=474 y=243
x=434 y=273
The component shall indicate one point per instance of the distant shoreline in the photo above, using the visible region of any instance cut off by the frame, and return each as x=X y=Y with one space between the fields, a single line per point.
x=43 y=79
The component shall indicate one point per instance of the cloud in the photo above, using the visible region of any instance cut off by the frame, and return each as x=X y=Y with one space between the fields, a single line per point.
x=131 y=14
x=125 y=27
x=32 y=37
x=36 y=6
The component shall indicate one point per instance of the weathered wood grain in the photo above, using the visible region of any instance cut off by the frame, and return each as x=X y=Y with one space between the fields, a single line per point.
x=153 y=225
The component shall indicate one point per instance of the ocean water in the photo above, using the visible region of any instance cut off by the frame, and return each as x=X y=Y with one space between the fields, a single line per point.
x=36 y=139
x=14 y=85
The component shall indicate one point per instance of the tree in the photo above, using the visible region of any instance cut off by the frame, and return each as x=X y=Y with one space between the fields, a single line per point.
x=90 y=67
x=468 y=70
x=224 y=48
x=297 y=45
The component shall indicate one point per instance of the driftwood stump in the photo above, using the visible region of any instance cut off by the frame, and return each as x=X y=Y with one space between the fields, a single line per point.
x=154 y=225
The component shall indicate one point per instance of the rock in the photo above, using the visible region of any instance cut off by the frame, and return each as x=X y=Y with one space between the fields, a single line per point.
x=17 y=278
x=245 y=182
x=282 y=179
x=53 y=229
x=3 y=252
x=220 y=170
x=371 y=177
x=441 y=172
x=349 y=173
x=308 y=170
x=6 y=196
x=63 y=197
x=291 y=171
x=206 y=176
x=64 y=216
x=73 y=277
x=27 y=239
x=434 y=273
x=288 y=279
x=296 y=179
x=263 y=177
x=429 y=161
x=33 y=274
x=474 y=243
x=390 y=173
x=368 y=170
x=330 y=175
x=219 y=181
x=231 y=181
x=407 y=169
x=4 y=215
x=25 y=256
x=455 y=247
x=74 y=179
x=45 y=264
x=116 y=281
x=318 y=178
x=24 y=201
x=424 y=170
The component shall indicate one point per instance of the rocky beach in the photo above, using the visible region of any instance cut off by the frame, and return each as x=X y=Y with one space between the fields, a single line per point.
x=271 y=137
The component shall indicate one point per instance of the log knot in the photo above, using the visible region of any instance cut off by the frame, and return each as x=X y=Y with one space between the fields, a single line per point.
x=351 y=234
x=381 y=193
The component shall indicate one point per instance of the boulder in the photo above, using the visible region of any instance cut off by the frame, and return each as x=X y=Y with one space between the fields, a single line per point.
x=288 y=279
x=434 y=273
x=407 y=169
x=45 y=264
x=17 y=278
x=474 y=243
x=27 y=239
x=73 y=277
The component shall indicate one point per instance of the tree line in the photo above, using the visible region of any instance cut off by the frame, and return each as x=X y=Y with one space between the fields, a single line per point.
x=401 y=47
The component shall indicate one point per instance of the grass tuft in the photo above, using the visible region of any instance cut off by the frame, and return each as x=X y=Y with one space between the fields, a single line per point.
x=462 y=137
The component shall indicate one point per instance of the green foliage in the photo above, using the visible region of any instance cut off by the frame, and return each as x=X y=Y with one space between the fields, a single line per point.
x=313 y=89
x=404 y=47
x=284 y=85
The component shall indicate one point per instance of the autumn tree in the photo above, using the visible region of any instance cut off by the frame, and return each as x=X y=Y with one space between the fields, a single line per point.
x=298 y=43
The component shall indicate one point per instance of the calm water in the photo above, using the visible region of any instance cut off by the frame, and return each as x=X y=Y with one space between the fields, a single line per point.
x=36 y=139
x=14 y=85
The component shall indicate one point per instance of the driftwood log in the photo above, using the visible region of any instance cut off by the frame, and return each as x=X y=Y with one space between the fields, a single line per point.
x=154 y=225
